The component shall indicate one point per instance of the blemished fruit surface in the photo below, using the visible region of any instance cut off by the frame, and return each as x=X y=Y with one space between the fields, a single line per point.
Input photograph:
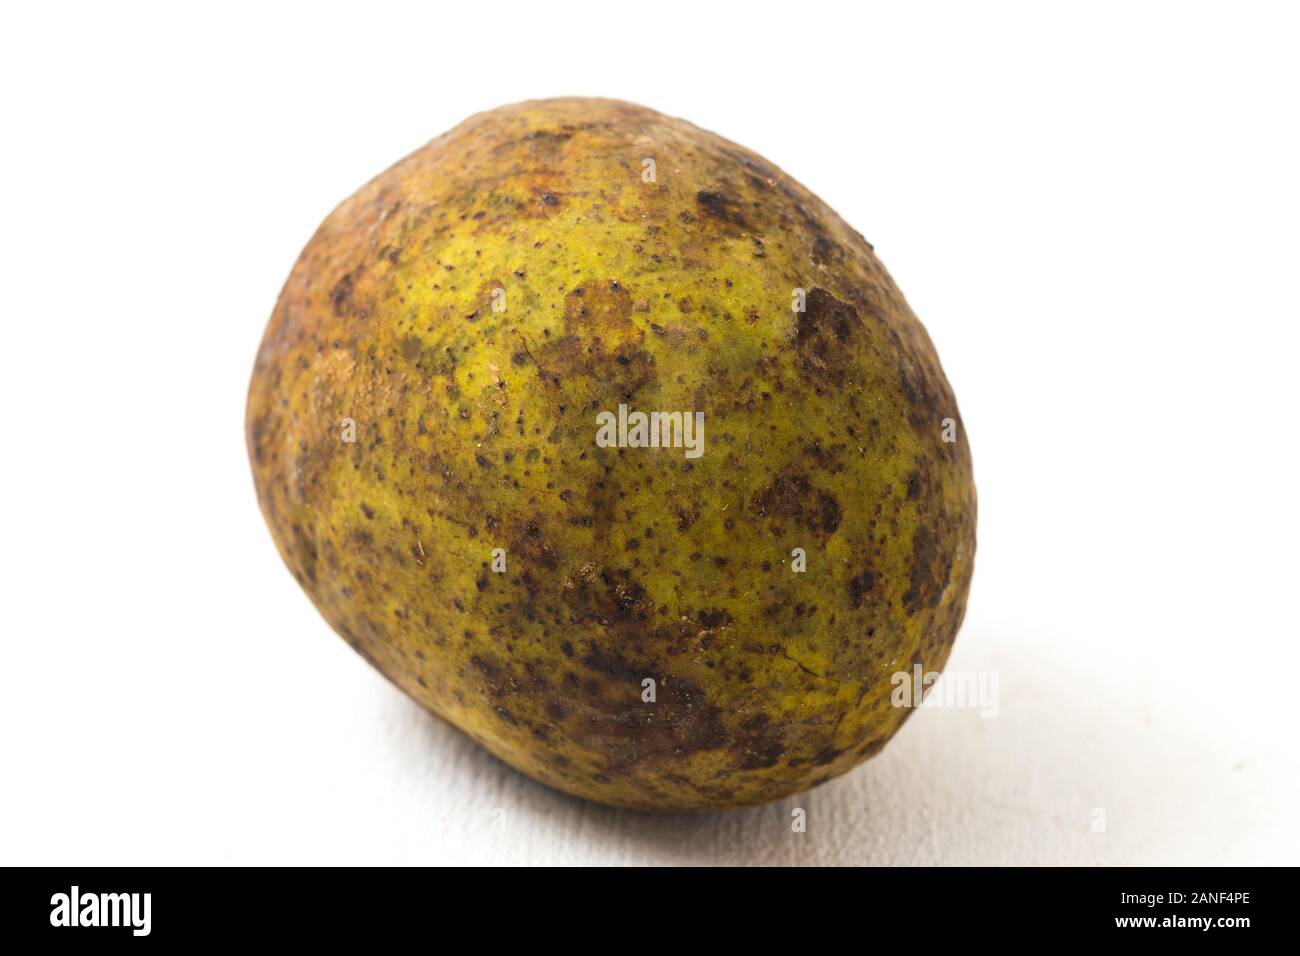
x=427 y=392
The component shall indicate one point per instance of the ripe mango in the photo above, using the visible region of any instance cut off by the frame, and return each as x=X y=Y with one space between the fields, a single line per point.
x=632 y=624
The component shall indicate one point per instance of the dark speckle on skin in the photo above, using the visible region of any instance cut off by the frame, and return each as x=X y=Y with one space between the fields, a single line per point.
x=600 y=341
x=824 y=335
x=721 y=207
x=930 y=572
x=341 y=295
x=680 y=722
x=870 y=747
x=792 y=496
x=913 y=485
x=824 y=251
x=412 y=348
x=828 y=512
x=714 y=618
x=826 y=756
x=860 y=587
x=761 y=743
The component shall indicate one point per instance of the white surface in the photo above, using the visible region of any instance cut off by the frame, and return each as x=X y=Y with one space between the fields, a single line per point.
x=1095 y=211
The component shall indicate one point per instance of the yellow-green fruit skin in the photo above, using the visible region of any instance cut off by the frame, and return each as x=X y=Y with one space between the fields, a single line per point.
x=466 y=315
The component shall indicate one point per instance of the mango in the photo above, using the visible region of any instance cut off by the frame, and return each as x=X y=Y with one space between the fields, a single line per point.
x=616 y=448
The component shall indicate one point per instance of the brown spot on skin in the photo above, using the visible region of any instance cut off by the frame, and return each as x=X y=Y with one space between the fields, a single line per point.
x=913 y=485
x=412 y=348
x=627 y=731
x=761 y=744
x=828 y=459
x=720 y=207
x=826 y=756
x=793 y=497
x=824 y=252
x=534 y=547
x=824 y=338
x=544 y=141
x=622 y=372
x=687 y=516
x=599 y=307
x=912 y=392
x=493 y=673
x=930 y=572
x=859 y=587
x=828 y=513
x=870 y=748
x=341 y=295
x=601 y=342
x=610 y=664
x=626 y=595
x=714 y=618
x=928 y=396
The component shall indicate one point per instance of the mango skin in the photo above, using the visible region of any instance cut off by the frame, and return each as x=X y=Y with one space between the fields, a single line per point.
x=475 y=429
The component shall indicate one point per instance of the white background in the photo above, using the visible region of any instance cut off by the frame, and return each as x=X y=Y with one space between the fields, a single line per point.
x=1094 y=208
